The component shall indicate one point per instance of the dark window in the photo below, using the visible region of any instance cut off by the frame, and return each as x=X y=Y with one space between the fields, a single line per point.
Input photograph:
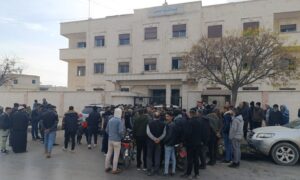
x=214 y=64
x=150 y=33
x=214 y=31
x=288 y=28
x=124 y=67
x=81 y=45
x=250 y=88
x=176 y=63
x=287 y=89
x=98 y=89
x=250 y=26
x=150 y=64
x=99 y=41
x=124 y=89
x=81 y=71
x=15 y=81
x=99 y=68
x=33 y=81
x=179 y=30
x=124 y=39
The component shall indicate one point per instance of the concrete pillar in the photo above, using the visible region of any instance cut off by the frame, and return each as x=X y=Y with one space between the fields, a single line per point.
x=184 y=96
x=168 y=94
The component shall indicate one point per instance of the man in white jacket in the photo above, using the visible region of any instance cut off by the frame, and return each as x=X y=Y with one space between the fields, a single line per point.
x=236 y=135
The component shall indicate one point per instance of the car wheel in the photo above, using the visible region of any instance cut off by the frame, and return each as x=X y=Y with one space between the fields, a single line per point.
x=285 y=154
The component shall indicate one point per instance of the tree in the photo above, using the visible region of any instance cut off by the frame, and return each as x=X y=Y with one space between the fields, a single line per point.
x=235 y=61
x=8 y=69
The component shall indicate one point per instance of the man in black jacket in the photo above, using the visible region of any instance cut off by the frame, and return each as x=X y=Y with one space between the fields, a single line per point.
x=93 y=121
x=140 y=135
x=4 y=128
x=35 y=117
x=193 y=141
x=156 y=132
x=49 y=123
x=170 y=141
x=70 y=125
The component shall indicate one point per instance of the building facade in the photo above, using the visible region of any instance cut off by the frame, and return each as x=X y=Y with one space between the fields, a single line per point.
x=141 y=52
x=22 y=82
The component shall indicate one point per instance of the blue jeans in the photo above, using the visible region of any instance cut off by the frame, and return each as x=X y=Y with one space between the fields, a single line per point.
x=228 y=147
x=170 y=154
x=49 y=141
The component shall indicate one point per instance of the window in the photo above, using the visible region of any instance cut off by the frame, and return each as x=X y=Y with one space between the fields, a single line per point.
x=214 y=31
x=81 y=45
x=124 y=39
x=179 y=30
x=99 y=68
x=251 y=28
x=99 y=41
x=150 y=33
x=33 y=81
x=176 y=63
x=288 y=28
x=124 y=67
x=250 y=88
x=150 y=64
x=15 y=81
x=81 y=71
x=124 y=89
x=215 y=64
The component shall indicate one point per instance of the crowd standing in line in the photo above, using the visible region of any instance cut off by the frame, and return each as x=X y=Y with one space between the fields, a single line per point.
x=158 y=133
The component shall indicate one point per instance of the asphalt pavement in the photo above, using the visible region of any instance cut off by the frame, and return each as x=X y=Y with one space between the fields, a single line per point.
x=89 y=165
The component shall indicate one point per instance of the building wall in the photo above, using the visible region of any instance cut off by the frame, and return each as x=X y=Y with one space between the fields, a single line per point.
x=269 y=13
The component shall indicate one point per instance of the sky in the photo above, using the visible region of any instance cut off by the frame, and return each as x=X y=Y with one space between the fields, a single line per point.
x=29 y=30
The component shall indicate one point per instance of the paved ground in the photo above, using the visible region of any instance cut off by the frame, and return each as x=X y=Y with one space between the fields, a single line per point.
x=89 y=165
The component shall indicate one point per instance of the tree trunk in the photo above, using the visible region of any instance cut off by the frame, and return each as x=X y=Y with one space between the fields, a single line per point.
x=234 y=94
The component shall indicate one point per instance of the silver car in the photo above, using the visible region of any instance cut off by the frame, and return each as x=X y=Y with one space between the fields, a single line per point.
x=282 y=143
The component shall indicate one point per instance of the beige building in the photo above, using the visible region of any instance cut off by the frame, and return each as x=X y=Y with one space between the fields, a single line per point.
x=140 y=52
x=22 y=82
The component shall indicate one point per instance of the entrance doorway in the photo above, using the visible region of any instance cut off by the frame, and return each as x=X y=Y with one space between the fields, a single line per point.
x=158 y=96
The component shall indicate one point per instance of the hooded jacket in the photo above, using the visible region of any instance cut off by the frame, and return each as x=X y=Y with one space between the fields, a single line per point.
x=70 y=121
x=236 y=128
x=115 y=127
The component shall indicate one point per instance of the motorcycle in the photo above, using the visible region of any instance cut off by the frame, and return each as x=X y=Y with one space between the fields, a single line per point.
x=127 y=149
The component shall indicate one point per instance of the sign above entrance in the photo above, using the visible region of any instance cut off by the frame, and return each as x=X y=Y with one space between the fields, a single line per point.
x=166 y=10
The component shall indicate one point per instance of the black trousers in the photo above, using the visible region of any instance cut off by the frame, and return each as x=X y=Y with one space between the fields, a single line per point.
x=104 y=147
x=193 y=159
x=141 y=146
x=93 y=132
x=202 y=156
x=245 y=128
x=80 y=132
x=153 y=152
x=213 y=148
x=68 y=136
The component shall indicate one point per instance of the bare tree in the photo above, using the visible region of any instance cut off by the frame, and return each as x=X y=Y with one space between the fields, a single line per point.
x=235 y=61
x=8 y=69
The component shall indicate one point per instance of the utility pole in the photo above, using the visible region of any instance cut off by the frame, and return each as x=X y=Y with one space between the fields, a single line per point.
x=89 y=11
x=166 y=3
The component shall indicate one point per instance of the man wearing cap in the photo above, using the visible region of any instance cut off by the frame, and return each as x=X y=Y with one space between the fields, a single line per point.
x=4 y=128
x=20 y=120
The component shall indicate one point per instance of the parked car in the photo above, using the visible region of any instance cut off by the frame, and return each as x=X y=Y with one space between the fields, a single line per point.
x=88 y=109
x=281 y=143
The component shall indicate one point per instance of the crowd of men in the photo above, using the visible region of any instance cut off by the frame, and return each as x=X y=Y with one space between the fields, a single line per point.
x=156 y=132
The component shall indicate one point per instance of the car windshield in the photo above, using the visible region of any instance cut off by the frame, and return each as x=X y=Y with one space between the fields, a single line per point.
x=87 y=110
x=293 y=124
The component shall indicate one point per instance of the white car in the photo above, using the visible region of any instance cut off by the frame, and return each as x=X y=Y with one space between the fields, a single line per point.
x=88 y=109
x=282 y=143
